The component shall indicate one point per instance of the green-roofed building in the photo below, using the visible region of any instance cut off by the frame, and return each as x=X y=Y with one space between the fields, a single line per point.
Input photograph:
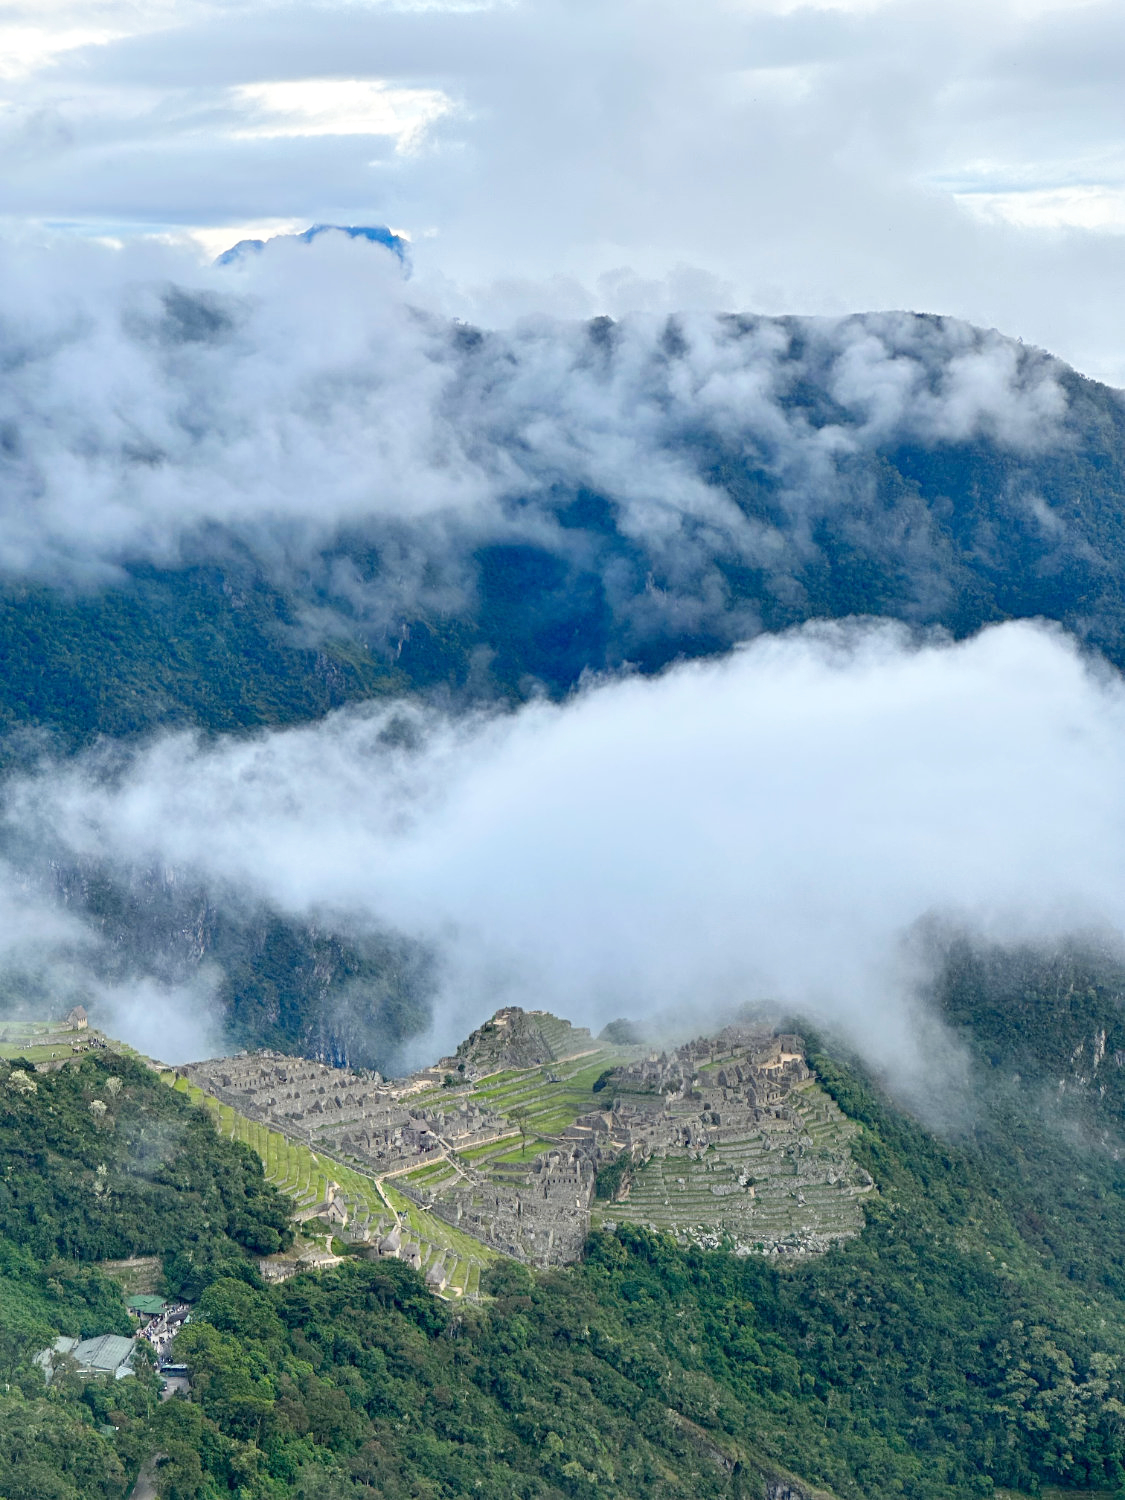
x=146 y=1305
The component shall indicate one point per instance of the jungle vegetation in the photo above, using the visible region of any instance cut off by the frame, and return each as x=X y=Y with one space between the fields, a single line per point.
x=973 y=1337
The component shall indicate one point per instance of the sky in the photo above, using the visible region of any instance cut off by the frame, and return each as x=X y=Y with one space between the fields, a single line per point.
x=606 y=155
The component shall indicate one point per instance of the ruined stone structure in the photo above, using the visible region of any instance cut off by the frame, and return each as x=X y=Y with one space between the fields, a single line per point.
x=352 y=1116
x=707 y=1092
x=726 y=1118
x=724 y=1139
x=539 y=1214
x=732 y=1144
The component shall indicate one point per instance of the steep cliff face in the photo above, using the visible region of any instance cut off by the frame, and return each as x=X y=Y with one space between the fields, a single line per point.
x=265 y=978
x=1052 y=1017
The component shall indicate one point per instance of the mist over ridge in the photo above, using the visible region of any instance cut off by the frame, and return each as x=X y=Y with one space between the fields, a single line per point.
x=306 y=421
x=370 y=669
x=774 y=824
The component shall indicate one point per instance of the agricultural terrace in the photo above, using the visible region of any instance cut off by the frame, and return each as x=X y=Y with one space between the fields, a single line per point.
x=305 y=1175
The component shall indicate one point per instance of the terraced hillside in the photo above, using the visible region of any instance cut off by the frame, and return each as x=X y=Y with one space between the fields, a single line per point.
x=527 y=1191
x=788 y=1188
x=373 y=1210
x=52 y=1041
x=500 y=1148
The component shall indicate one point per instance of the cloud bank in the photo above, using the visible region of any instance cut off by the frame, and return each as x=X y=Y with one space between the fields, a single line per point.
x=812 y=157
x=308 y=395
x=773 y=825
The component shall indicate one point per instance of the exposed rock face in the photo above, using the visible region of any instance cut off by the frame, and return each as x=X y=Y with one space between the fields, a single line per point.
x=516 y=1038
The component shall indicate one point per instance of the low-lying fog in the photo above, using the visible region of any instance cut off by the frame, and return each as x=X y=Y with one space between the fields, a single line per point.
x=771 y=824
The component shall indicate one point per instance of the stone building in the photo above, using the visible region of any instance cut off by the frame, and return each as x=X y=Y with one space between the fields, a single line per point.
x=728 y=1097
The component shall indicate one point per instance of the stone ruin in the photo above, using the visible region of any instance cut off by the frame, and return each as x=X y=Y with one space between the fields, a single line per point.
x=719 y=1103
x=353 y=1116
x=717 y=1113
x=726 y=1144
x=683 y=1101
x=539 y=1213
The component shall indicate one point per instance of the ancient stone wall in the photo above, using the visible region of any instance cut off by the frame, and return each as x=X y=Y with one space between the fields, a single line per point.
x=715 y=1129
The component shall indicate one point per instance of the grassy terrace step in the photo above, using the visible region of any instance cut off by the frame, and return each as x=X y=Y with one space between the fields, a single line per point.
x=477 y=1154
x=527 y=1098
x=51 y=1041
x=682 y=1193
x=430 y=1172
x=518 y=1158
x=304 y=1175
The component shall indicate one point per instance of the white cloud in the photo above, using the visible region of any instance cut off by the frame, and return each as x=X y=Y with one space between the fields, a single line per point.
x=337 y=106
x=1099 y=207
x=810 y=158
x=309 y=388
x=213 y=241
x=25 y=49
x=173 y=1024
x=772 y=825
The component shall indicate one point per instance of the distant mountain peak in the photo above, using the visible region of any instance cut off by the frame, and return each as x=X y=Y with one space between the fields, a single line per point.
x=377 y=234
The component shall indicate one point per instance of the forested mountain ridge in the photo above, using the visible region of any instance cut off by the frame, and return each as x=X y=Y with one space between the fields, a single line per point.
x=781 y=470
x=959 y=1344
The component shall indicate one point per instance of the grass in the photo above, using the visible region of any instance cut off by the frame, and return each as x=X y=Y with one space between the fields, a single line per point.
x=482 y=1153
x=425 y=1174
x=522 y=1154
x=51 y=1052
x=304 y=1175
x=55 y=1044
x=544 y=1109
x=141 y=1274
x=433 y=1231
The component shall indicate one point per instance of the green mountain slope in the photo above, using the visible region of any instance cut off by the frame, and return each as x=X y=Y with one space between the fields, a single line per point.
x=100 y=1160
x=948 y=529
x=972 y=1337
x=169 y=650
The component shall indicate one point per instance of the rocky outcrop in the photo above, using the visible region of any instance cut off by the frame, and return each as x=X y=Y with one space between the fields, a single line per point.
x=516 y=1038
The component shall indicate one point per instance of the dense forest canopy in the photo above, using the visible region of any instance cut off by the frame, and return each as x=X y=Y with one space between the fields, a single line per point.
x=969 y=1339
